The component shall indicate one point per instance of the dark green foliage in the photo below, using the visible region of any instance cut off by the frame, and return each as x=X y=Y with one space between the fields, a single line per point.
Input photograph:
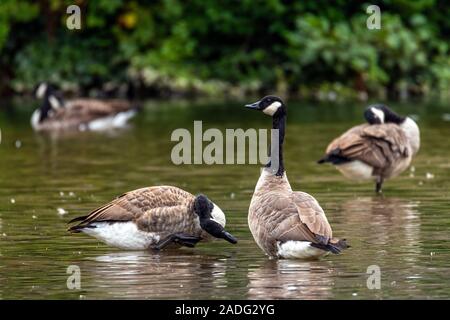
x=211 y=46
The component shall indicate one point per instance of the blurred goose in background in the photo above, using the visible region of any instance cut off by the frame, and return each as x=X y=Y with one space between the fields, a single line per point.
x=78 y=114
x=381 y=149
x=155 y=218
x=286 y=223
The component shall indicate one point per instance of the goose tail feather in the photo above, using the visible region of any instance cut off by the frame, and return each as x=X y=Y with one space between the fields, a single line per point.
x=334 y=245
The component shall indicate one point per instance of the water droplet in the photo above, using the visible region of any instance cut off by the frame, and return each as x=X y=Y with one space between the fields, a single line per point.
x=13 y=200
x=291 y=288
x=61 y=211
x=18 y=144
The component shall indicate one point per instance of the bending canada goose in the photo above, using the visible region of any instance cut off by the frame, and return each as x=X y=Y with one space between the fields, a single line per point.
x=78 y=114
x=153 y=218
x=379 y=150
x=286 y=223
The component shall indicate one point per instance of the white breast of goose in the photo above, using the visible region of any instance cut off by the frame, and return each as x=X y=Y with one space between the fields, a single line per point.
x=412 y=132
x=35 y=119
x=356 y=170
x=123 y=235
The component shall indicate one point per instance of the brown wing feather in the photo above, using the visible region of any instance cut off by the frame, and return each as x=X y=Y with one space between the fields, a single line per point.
x=391 y=133
x=312 y=215
x=103 y=107
x=86 y=110
x=147 y=205
x=298 y=217
x=376 y=145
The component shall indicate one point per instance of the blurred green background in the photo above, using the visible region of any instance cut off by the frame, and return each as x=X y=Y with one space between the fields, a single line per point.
x=318 y=49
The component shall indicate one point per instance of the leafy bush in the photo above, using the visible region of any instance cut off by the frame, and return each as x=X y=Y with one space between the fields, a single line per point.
x=228 y=46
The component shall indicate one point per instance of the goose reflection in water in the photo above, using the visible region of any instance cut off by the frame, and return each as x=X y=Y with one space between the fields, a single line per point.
x=144 y=275
x=291 y=279
x=383 y=221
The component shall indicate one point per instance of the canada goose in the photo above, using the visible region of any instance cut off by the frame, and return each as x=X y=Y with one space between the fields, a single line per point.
x=78 y=114
x=381 y=149
x=153 y=218
x=286 y=223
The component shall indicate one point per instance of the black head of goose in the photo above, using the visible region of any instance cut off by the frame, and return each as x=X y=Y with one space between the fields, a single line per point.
x=154 y=218
x=381 y=149
x=78 y=114
x=273 y=106
x=286 y=223
x=203 y=207
x=380 y=113
x=51 y=102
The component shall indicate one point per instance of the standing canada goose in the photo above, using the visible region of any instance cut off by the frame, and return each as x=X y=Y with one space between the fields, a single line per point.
x=153 y=218
x=286 y=223
x=78 y=114
x=381 y=149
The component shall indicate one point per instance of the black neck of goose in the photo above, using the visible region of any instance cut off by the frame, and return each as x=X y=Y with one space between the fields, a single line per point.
x=47 y=105
x=279 y=123
x=45 y=108
x=394 y=117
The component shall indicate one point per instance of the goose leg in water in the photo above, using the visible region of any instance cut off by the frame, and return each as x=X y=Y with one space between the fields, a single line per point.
x=379 y=184
x=178 y=238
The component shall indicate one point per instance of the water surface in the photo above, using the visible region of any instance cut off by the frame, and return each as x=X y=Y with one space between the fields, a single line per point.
x=405 y=232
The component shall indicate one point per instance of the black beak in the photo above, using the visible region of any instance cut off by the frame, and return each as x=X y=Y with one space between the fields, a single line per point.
x=216 y=230
x=229 y=237
x=254 y=106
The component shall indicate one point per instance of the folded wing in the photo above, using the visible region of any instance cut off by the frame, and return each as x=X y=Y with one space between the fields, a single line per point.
x=153 y=208
x=376 y=145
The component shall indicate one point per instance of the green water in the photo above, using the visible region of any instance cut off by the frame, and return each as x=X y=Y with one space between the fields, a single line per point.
x=405 y=232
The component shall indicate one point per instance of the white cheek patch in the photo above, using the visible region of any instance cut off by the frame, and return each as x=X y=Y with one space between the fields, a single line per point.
x=54 y=102
x=35 y=118
x=41 y=90
x=218 y=215
x=378 y=113
x=270 y=110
